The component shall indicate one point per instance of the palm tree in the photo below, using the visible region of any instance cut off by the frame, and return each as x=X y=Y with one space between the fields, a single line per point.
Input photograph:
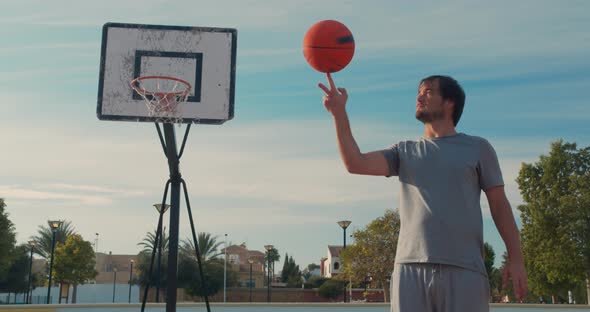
x=208 y=247
x=45 y=236
x=149 y=242
x=272 y=255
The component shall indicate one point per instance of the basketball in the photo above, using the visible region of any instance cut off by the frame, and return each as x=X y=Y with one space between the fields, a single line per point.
x=328 y=46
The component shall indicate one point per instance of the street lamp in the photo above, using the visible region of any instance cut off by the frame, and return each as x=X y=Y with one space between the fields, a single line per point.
x=250 y=261
x=130 y=278
x=53 y=225
x=224 y=267
x=344 y=224
x=161 y=210
x=29 y=292
x=114 y=282
x=96 y=243
x=368 y=280
x=268 y=249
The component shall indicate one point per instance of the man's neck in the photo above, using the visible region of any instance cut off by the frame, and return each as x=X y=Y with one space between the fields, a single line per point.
x=439 y=128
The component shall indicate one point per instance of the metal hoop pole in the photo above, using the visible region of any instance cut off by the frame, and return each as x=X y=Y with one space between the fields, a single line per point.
x=156 y=242
x=190 y=217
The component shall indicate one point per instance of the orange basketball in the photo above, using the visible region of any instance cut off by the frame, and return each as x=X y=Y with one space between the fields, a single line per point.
x=328 y=46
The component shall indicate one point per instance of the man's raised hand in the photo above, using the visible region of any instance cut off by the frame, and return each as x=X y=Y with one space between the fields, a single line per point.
x=334 y=99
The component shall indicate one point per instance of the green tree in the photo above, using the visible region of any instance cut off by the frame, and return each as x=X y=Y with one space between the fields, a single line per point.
x=143 y=270
x=331 y=289
x=306 y=273
x=274 y=256
x=45 y=236
x=7 y=241
x=74 y=262
x=208 y=247
x=494 y=275
x=144 y=258
x=16 y=280
x=315 y=282
x=190 y=279
x=312 y=267
x=373 y=252
x=149 y=241
x=489 y=257
x=291 y=274
x=496 y=283
x=284 y=271
x=556 y=218
x=506 y=288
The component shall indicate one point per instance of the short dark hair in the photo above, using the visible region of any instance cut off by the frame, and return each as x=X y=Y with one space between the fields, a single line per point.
x=450 y=89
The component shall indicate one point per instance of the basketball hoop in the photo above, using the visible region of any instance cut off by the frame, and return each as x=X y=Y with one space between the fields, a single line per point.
x=162 y=95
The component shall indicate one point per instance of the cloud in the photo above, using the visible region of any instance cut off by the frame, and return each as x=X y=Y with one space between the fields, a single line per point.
x=459 y=28
x=501 y=40
x=270 y=161
x=65 y=46
x=95 y=189
x=16 y=193
x=51 y=73
x=287 y=161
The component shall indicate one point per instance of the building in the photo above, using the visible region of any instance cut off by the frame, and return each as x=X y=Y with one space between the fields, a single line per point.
x=106 y=264
x=237 y=261
x=101 y=289
x=331 y=265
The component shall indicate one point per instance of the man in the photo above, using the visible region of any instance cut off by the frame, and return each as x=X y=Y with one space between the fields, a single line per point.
x=439 y=260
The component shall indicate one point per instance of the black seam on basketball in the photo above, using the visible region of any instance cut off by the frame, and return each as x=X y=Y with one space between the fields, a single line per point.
x=343 y=40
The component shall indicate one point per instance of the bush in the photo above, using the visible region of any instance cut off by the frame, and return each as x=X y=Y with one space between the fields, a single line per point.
x=315 y=282
x=331 y=289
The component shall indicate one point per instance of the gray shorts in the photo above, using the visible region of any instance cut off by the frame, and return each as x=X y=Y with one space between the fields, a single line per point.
x=431 y=287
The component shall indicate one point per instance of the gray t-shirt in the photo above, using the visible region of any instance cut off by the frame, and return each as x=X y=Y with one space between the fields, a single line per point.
x=441 y=182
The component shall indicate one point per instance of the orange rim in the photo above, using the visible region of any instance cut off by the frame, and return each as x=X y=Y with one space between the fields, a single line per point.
x=136 y=87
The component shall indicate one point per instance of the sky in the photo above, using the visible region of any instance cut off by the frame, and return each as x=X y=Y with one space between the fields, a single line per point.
x=272 y=175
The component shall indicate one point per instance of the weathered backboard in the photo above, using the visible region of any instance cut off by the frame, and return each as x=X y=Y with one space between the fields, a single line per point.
x=203 y=57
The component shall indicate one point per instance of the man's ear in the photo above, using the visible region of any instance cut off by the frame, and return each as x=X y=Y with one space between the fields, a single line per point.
x=451 y=105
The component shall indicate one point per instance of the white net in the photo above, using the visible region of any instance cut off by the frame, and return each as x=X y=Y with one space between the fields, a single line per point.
x=163 y=95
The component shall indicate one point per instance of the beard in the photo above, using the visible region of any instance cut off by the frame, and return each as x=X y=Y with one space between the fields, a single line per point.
x=429 y=117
